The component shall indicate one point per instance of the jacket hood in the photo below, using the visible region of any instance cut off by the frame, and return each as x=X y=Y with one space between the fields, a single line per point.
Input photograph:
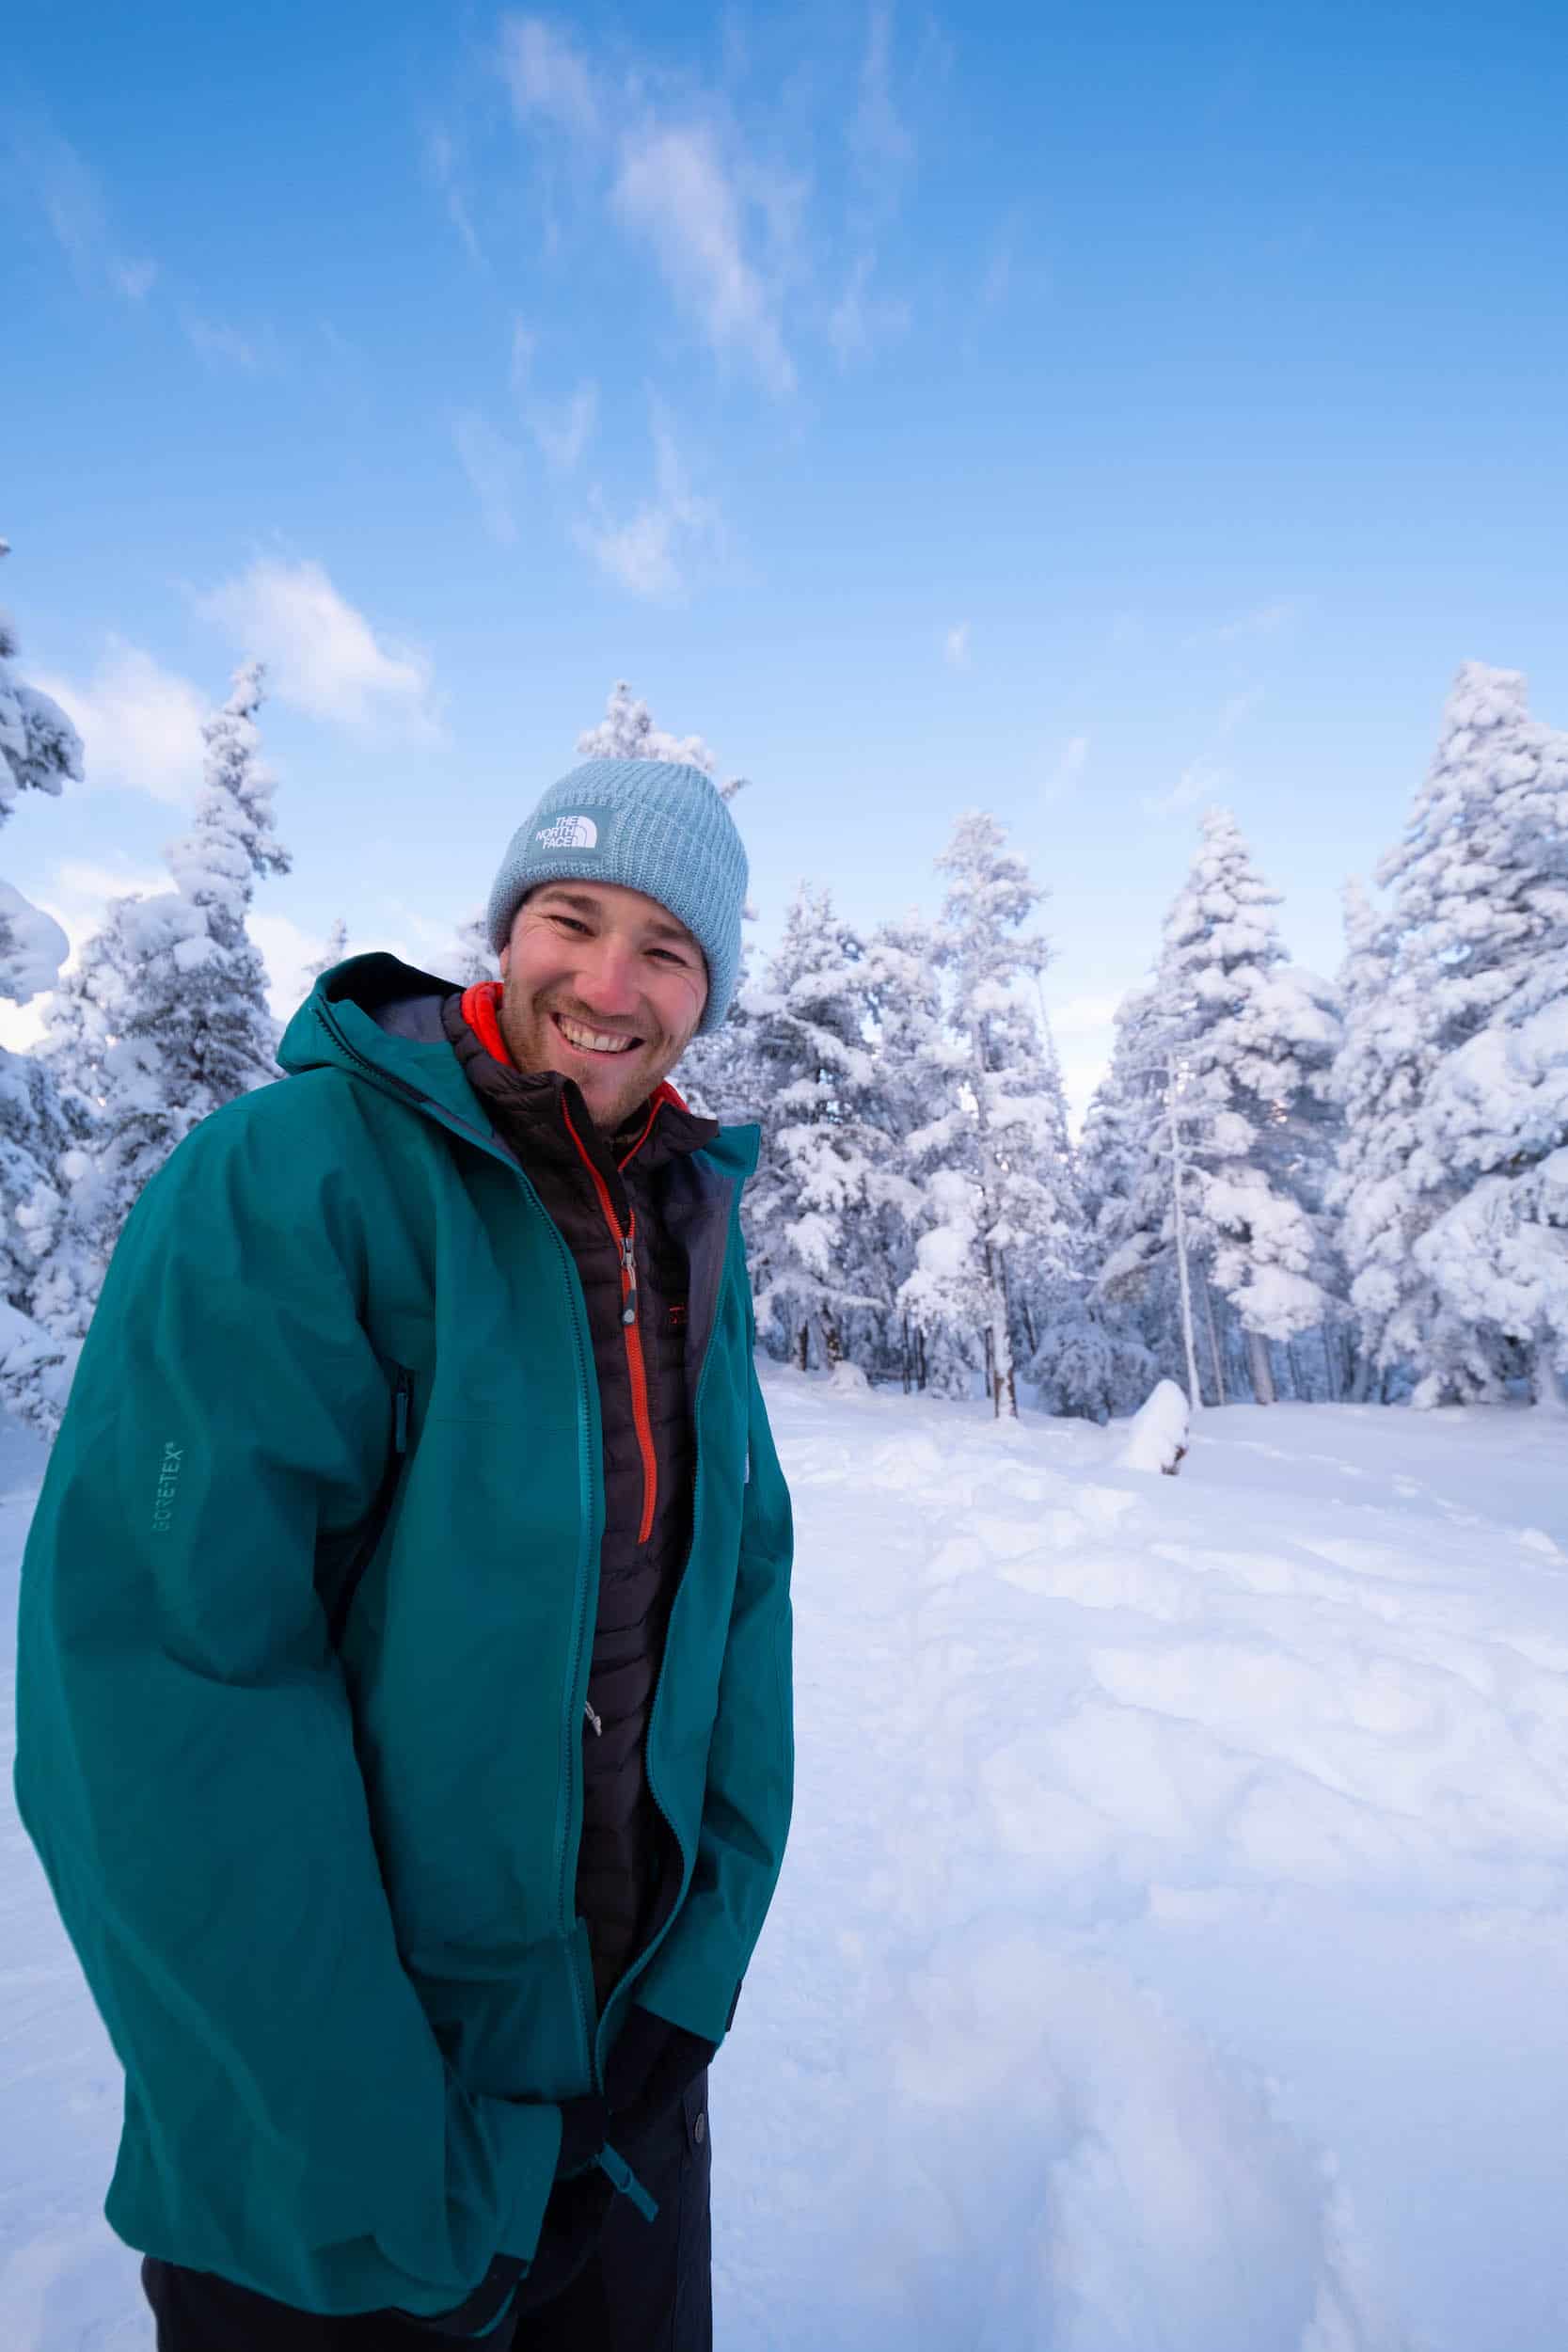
x=379 y=1020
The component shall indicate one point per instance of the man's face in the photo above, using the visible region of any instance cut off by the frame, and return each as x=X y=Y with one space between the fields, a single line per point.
x=604 y=985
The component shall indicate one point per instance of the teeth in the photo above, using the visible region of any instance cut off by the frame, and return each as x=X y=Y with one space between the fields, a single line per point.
x=597 y=1039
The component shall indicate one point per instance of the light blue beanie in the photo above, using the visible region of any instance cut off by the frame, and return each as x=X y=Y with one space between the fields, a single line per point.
x=651 y=825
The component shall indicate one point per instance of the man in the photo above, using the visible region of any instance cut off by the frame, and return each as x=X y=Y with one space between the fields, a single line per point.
x=404 y=1709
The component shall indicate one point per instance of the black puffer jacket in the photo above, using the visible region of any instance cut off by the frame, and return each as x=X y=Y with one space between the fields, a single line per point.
x=596 y=1190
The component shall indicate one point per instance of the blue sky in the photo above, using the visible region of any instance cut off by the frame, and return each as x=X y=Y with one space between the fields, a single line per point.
x=1086 y=414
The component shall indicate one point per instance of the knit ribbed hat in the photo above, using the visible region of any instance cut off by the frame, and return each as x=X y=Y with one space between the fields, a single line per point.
x=650 y=825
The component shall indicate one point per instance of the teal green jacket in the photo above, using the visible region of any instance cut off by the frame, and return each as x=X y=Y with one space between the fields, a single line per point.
x=323 y=1893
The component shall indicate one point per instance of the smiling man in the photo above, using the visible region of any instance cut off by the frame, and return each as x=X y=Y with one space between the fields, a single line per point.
x=413 y=1771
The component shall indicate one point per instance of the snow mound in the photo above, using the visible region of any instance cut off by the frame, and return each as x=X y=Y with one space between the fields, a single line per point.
x=1157 y=1438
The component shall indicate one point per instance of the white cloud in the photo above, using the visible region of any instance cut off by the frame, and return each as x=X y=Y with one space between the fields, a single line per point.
x=1200 y=780
x=323 y=656
x=1232 y=713
x=647 y=554
x=1083 y=1016
x=286 y=951
x=1265 y=620
x=673 y=189
x=140 y=725
x=955 y=646
x=857 y=324
x=224 y=346
x=72 y=200
x=880 y=141
x=493 y=467
x=1070 y=766
x=548 y=76
x=440 y=155
x=563 y=434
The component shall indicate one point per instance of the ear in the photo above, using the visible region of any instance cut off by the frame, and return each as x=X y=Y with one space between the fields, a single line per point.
x=505 y=958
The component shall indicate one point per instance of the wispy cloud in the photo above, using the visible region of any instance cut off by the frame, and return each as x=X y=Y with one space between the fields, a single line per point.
x=548 y=76
x=140 y=725
x=223 y=347
x=673 y=189
x=1199 y=781
x=650 y=553
x=955 y=646
x=323 y=655
x=881 y=142
x=524 y=345
x=71 y=197
x=858 y=323
x=495 y=469
x=1235 y=712
x=1070 y=766
x=442 y=170
x=563 y=434
x=1263 y=620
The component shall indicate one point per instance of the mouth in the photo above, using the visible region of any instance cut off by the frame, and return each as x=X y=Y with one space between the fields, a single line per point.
x=594 y=1044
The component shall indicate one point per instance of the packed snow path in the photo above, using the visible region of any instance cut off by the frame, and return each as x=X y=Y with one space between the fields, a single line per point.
x=1172 y=1954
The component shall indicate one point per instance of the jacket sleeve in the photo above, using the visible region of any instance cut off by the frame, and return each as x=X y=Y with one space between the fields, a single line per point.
x=694 y=1979
x=186 y=1764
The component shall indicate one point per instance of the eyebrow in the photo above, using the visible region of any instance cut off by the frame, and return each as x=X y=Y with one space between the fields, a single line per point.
x=583 y=902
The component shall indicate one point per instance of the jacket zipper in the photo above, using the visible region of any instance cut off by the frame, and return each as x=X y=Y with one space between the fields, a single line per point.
x=571 y=1745
x=624 y=1238
x=640 y=1960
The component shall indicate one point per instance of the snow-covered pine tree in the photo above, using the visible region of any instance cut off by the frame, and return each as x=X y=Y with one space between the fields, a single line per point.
x=916 y=1085
x=997 y=1219
x=1478 y=1185
x=166 y=1016
x=1151 y=1236
x=1258 y=1041
x=475 y=964
x=627 y=731
x=332 y=953
x=40 y=752
x=825 y=1167
x=1376 y=1082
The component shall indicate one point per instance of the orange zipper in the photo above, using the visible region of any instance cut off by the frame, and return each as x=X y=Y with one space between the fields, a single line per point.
x=630 y=1330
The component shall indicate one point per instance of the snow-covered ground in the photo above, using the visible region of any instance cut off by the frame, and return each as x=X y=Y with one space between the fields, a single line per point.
x=1172 y=1954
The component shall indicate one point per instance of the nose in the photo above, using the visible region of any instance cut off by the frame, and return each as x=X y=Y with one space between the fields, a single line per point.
x=606 y=977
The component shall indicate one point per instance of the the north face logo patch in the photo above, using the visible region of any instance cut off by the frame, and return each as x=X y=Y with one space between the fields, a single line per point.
x=568 y=832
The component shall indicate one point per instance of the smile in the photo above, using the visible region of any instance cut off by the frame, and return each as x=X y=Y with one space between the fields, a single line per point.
x=586 y=1041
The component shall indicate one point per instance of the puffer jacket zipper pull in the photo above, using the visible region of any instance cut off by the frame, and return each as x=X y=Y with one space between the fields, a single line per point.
x=628 y=1272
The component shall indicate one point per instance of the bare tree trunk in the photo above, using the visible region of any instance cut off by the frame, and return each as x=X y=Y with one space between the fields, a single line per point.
x=804 y=1365
x=906 y=1355
x=832 y=1343
x=1261 y=1368
x=1543 y=1379
x=1214 y=1342
x=1178 y=1170
x=1331 y=1369
x=920 y=1358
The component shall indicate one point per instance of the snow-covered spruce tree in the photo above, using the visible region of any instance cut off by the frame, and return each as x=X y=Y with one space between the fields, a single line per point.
x=1376 y=1083
x=474 y=962
x=998 y=1215
x=168 y=1007
x=332 y=953
x=627 y=731
x=825 y=1166
x=916 y=1085
x=1475 y=1179
x=1081 y=1358
x=1258 y=1037
x=40 y=752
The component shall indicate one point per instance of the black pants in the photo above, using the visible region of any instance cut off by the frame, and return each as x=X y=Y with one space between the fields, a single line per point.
x=647 y=2286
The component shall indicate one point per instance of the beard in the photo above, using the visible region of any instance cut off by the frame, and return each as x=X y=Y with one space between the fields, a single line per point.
x=612 y=1085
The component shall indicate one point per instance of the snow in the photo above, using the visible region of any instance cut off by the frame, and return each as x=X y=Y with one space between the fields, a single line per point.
x=1157 y=1435
x=1171 y=1953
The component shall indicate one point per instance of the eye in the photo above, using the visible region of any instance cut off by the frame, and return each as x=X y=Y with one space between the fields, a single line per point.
x=671 y=955
x=570 y=923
